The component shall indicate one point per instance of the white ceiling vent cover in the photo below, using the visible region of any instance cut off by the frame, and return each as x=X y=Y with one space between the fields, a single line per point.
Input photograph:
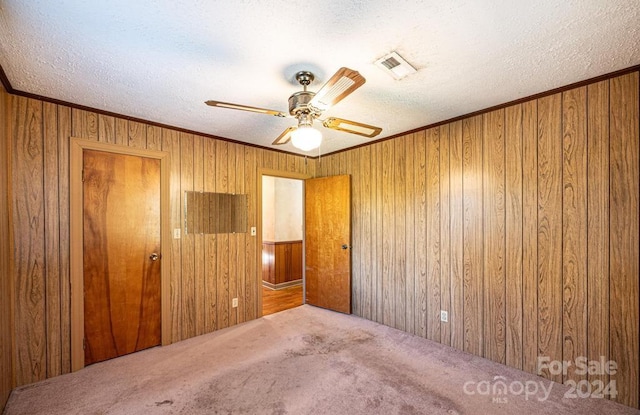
x=395 y=65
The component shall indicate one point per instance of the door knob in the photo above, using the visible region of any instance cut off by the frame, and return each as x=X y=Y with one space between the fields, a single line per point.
x=154 y=257
x=345 y=246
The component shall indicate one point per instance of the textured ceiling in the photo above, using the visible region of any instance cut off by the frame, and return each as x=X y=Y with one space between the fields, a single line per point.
x=160 y=60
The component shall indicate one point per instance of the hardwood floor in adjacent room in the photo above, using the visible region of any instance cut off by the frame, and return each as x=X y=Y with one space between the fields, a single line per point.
x=279 y=300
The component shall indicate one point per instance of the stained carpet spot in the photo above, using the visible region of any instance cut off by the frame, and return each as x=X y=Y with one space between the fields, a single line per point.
x=313 y=339
x=165 y=402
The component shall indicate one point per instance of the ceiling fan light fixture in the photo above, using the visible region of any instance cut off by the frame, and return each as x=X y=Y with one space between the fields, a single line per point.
x=307 y=107
x=306 y=138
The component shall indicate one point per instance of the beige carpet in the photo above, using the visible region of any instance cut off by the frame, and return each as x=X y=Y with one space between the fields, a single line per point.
x=301 y=361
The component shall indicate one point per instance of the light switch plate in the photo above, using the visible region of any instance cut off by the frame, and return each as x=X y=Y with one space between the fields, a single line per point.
x=176 y=233
x=253 y=231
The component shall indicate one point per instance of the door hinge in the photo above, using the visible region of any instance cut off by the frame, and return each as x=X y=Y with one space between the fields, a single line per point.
x=84 y=344
x=82 y=175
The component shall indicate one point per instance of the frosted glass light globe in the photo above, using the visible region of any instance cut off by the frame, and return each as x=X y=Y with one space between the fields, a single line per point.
x=306 y=138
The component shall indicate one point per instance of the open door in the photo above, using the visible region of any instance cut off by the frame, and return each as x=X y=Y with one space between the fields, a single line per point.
x=328 y=242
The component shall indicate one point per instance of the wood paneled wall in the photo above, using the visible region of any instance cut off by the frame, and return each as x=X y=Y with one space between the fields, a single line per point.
x=522 y=223
x=6 y=331
x=207 y=271
x=281 y=263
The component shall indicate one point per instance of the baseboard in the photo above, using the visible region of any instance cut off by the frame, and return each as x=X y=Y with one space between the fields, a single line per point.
x=282 y=285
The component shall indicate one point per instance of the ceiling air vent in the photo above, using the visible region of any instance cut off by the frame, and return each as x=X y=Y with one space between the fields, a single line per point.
x=395 y=65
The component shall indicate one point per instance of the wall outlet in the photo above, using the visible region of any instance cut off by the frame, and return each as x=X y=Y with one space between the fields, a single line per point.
x=176 y=233
x=234 y=303
x=444 y=316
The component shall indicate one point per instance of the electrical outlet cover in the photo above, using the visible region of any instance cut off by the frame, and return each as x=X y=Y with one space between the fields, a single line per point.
x=444 y=316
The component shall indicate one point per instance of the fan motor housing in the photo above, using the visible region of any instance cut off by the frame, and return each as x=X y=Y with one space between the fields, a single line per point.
x=300 y=102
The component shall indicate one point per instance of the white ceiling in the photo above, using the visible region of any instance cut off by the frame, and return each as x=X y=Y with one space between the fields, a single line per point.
x=160 y=60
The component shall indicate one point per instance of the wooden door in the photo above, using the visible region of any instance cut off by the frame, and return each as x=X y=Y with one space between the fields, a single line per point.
x=328 y=242
x=121 y=235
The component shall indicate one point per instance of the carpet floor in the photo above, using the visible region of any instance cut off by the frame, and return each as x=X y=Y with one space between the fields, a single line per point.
x=302 y=361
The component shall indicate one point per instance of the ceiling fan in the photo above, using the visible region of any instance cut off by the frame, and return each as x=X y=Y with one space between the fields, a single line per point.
x=307 y=106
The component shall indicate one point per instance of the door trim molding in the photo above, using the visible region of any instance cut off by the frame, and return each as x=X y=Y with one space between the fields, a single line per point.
x=77 y=147
x=284 y=175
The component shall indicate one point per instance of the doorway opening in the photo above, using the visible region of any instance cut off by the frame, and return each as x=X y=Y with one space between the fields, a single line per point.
x=282 y=243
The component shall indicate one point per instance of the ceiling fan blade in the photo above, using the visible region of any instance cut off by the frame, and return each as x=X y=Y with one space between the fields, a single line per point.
x=341 y=84
x=284 y=137
x=352 y=127
x=244 y=108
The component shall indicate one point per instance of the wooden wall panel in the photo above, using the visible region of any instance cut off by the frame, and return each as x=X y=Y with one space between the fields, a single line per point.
x=420 y=197
x=530 y=236
x=222 y=271
x=269 y=160
x=137 y=135
x=399 y=231
x=624 y=230
x=472 y=234
x=433 y=233
x=29 y=241
x=106 y=128
x=409 y=217
x=199 y=303
x=210 y=251
x=233 y=238
x=6 y=331
x=456 y=312
x=388 y=227
x=154 y=137
x=518 y=222
x=241 y=239
x=171 y=144
x=513 y=235
x=550 y=230
x=445 y=232
x=64 y=132
x=253 y=284
x=598 y=225
x=122 y=132
x=366 y=206
x=356 y=236
x=52 y=240
x=494 y=236
x=574 y=232
x=376 y=253
x=187 y=288
x=84 y=124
